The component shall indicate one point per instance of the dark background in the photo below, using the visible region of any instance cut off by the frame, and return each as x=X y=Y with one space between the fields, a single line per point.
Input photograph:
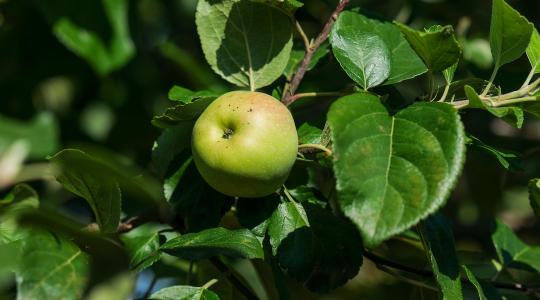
x=38 y=73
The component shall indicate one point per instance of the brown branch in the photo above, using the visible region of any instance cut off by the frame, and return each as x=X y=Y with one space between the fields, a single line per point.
x=287 y=98
x=383 y=263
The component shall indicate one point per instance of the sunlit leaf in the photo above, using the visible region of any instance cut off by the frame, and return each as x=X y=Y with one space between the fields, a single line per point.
x=533 y=51
x=184 y=292
x=51 y=268
x=246 y=43
x=213 y=242
x=510 y=33
x=393 y=171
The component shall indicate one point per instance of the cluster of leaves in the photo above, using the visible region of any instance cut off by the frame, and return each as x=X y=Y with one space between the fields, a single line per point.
x=391 y=168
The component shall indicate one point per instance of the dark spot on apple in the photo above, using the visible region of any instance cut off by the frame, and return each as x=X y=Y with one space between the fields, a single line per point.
x=227 y=133
x=250 y=110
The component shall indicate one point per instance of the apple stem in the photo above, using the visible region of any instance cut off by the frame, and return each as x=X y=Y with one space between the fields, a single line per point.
x=287 y=98
x=209 y=284
x=327 y=151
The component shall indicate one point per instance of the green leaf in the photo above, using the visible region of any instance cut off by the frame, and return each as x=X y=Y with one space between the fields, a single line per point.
x=393 y=171
x=438 y=47
x=192 y=198
x=182 y=113
x=120 y=287
x=246 y=43
x=81 y=175
x=169 y=144
x=534 y=196
x=439 y=239
x=133 y=181
x=41 y=134
x=255 y=215
x=533 y=51
x=450 y=72
x=404 y=63
x=512 y=252
x=21 y=198
x=181 y=94
x=9 y=258
x=287 y=218
x=51 y=268
x=511 y=114
x=532 y=107
x=507 y=160
x=213 y=242
x=485 y=290
x=89 y=46
x=303 y=194
x=308 y=134
x=184 y=292
x=510 y=33
x=314 y=246
x=364 y=56
x=143 y=246
x=107 y=257
x=288 y=7
x=297 y=56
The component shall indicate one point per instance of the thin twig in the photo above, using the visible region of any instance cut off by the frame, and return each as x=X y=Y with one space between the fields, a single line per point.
x=232 y=279
x=529 y=77
x=445 y=93
x=380 y=261
x=321 y=38
x=490 y=82
x=303 y=35
x=524 y=94
x=136 y=221
x=318 y=94
x=209 y=284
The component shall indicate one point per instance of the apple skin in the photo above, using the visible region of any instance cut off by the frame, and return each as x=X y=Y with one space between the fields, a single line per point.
x=244 y=144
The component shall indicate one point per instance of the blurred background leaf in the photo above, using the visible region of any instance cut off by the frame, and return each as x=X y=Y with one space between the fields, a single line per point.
x=42 y=79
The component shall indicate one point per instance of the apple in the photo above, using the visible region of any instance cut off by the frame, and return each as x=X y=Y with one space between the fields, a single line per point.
x=244 y=144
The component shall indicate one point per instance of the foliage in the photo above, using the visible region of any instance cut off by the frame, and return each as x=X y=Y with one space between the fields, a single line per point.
x=386 y=105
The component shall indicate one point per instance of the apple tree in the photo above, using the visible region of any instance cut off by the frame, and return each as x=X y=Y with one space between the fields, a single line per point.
x=267 y=186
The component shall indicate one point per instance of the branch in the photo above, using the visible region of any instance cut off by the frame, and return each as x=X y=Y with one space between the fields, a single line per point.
x=232 y=279
x=287 y=98
x=319 y=94
x=136 y=221
x=524 y=94
x=383 y=264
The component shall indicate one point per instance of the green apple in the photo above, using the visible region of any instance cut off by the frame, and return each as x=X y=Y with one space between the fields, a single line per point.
x=244 y=144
